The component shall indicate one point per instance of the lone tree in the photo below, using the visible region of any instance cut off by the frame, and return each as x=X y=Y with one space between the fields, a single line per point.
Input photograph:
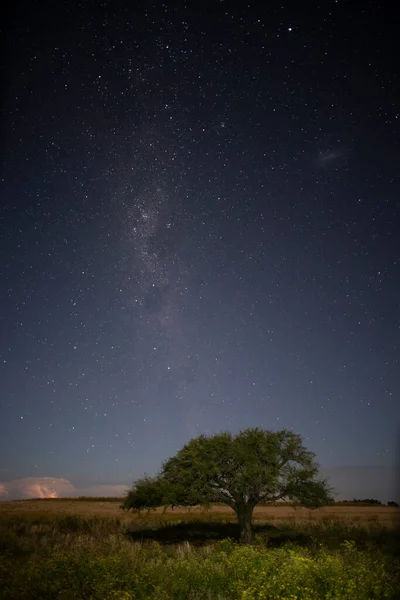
x=241 y=471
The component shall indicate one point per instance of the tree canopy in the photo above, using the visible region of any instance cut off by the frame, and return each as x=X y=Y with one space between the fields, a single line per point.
x=242 y=470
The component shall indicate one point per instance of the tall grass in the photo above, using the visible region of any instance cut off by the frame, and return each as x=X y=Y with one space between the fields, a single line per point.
x=71 y=557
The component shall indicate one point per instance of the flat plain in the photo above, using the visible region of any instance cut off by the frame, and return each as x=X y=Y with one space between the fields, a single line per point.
x=349 y=514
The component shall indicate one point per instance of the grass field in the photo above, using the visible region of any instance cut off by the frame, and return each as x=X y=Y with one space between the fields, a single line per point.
x=384 y=515
x=91 y=549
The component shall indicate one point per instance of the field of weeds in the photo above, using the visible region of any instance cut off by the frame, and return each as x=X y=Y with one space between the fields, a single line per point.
x=81 y=549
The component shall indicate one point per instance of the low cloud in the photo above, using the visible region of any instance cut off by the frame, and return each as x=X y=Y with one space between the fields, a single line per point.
x=53 y=487
x=364 y=481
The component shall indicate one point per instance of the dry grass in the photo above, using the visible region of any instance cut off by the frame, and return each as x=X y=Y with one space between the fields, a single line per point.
x=362 y=515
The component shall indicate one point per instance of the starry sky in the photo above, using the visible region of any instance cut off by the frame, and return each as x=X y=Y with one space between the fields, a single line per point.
x=199 y=232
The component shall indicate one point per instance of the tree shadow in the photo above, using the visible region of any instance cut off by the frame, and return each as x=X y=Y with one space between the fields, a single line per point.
x=199 y=533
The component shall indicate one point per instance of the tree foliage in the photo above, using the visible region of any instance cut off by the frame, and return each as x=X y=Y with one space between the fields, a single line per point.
x=146 y=493
x=240 y=470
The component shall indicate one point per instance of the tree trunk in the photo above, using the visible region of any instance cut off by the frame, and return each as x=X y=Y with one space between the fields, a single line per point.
x=244 y=513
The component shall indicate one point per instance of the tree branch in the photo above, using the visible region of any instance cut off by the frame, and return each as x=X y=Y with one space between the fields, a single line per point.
x=227 y=498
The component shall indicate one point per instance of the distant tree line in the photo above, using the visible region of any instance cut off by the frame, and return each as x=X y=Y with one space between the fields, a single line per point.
x=371 y=501
x=216 y=500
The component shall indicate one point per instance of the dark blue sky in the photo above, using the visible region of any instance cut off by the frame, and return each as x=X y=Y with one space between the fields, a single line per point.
x=199 y=232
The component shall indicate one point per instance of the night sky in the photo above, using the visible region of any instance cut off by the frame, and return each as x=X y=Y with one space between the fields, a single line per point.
x=199 y=232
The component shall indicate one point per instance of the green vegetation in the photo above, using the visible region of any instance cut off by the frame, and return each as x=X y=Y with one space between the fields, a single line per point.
x=71 y=558
x=241 y=471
